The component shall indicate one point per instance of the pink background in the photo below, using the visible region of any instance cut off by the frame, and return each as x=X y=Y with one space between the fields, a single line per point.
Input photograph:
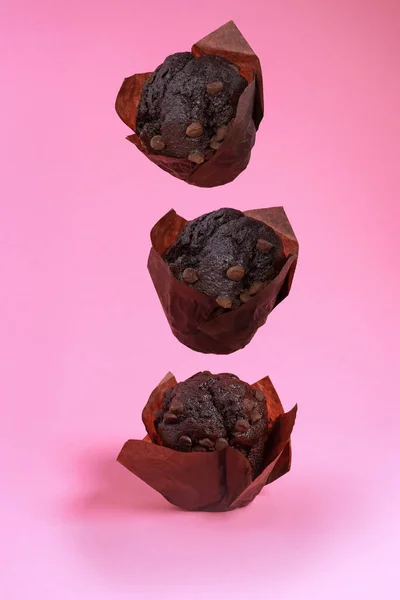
x=84 y=339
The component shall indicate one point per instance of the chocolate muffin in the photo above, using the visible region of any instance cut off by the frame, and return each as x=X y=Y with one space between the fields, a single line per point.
x=227 y=255
x=187 y=105
x=208 y=413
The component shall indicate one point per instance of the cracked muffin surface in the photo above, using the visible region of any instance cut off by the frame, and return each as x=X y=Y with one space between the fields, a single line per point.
x=227 y=255
x=209 y=412
x=187 y=106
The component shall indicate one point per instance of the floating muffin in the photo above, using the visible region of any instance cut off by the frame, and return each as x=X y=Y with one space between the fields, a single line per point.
x=207 y=413
x=197 y=114
x=187 y=106
x=227 y=255
x=218 y=277
x=213 y=441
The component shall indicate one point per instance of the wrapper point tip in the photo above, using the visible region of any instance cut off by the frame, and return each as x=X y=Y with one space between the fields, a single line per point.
x=169 y=375
x=120 y=453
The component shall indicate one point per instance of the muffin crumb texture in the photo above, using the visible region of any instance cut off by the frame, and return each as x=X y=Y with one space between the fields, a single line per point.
x=187 y=106
x=226 y=255
x=208 y=413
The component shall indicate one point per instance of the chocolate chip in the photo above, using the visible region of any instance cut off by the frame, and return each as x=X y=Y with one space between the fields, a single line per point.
x=256 y=287
x=157 y=143
x=221 y=444
x=214 y=143
x=241 y=426
x=170 y=418
x=244 y=297
x=199 y=449
x=259 y=395
x=221 y=133
x=248 y=405
x=263 y=245
x=189 y=275
x=224 y=301
x=195 y=129
x=235 y=273
x=255 y=417
x=176 y=407
x=185 y=440
x=196 y=157
x=206 y=443
x=214 y=88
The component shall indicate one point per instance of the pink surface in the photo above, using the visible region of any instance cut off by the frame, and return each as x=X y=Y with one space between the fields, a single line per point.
x=84 y=339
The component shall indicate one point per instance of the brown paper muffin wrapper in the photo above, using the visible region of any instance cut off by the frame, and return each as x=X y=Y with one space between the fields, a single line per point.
x=212 y=481
x=192 y=315
x=234 y=153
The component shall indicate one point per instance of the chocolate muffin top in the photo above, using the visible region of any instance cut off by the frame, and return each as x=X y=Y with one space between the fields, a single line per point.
x=208 y=413
x=226 y=255
x=187 y=105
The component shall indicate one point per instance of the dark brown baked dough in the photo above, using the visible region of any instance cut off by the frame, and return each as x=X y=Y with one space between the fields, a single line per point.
x=226 y=255
x=209 y=412
x=187 y=105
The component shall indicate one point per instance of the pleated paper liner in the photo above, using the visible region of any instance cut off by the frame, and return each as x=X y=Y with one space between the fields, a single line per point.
x=234 y=153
